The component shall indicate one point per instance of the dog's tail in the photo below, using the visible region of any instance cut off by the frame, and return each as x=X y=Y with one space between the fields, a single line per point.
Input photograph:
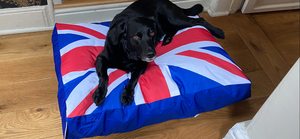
x=195 y=10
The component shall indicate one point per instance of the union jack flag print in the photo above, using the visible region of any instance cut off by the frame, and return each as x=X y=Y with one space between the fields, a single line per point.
x=192 y=74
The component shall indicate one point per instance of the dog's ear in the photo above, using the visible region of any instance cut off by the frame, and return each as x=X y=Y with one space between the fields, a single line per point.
x=116 y=32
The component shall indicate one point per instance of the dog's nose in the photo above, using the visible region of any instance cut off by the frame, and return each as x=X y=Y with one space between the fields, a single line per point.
x=151 y=54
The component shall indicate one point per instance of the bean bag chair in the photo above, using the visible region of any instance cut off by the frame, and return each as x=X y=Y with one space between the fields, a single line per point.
x=191 y=75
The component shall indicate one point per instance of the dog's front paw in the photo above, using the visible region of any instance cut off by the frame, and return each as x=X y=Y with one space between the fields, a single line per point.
x=127 y=97
x=167 y=40
x=219 y=33
x=98 y=97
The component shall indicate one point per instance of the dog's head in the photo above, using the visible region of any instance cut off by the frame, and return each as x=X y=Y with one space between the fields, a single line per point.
x=139 y=37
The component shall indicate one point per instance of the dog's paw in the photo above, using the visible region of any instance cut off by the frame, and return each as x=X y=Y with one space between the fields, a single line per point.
x=167 y=40
x=219 y=33
x=126 y=97
x=98 y=97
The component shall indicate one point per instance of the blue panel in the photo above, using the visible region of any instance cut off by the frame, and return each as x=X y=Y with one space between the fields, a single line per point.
x=65 y=39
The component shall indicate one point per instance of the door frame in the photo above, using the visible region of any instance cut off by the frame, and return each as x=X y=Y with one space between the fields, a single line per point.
x=250 y=7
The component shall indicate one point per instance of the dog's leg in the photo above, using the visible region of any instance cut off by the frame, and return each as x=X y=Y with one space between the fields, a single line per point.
x=180 y=20
x=100 y=93
x=169 y=36
x=184 y=22
x=195 y=10
x=217 y=32
x=128 y=93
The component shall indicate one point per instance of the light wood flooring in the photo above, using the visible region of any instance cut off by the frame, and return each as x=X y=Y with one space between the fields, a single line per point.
x=263 y=45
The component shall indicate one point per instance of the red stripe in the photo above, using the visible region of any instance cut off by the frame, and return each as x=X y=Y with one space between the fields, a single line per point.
x=83 y=105
x=214 y=60
x=113 y=76
x=79 y=59
x=186 y=37
x=153 y=84
x=79 y=28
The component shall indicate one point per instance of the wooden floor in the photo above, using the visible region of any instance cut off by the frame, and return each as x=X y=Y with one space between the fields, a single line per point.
x=264 y=46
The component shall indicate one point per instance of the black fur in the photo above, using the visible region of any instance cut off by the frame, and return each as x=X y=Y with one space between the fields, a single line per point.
x=132 y=38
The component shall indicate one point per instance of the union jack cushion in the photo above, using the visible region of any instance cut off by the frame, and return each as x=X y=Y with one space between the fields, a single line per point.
x=192 y=74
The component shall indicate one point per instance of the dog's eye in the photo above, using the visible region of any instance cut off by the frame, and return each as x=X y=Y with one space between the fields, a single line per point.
x=136 y=37
x=152 y=34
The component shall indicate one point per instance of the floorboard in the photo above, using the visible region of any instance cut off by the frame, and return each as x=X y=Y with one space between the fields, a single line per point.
x=36 y=68
x=282 y=29
x=29 y=94
x=26 y=45
x=260 y=46
x=31 y=123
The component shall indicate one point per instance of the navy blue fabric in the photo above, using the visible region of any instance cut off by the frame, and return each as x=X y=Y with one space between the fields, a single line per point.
x=109 y=121
x=61 y=91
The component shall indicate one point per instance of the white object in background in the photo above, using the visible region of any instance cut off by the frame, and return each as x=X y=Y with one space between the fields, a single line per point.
x=254 y=6
x=223 y=7
x=278 y=118
x=238 y=131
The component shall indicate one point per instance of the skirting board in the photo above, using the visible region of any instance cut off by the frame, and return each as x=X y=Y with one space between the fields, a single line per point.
x=215 y=14
x=106 y=12
x=24 y=19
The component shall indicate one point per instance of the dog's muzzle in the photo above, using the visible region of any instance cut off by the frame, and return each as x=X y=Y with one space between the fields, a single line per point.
x=149 y=57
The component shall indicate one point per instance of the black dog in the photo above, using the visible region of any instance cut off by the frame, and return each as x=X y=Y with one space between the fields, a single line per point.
x=132 y=38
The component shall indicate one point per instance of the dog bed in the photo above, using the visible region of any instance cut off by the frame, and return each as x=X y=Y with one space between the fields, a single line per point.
x=191 y=75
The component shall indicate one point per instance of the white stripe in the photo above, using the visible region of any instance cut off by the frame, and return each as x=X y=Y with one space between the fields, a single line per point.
x=91 y=109
x=82 y=43
x=81 y=91
x=117 y=82
x=97 y=27
x=110 y=88
x=203 y=68
x=195 y=16
x=172 y=86
x=75 y=74
x=219 y=56
x=65 y=132
x=138 y=95
x=196 y=47
x=76 y=33
x=185 y=29
x=214 y=54
x=191 y=46
x=110 y=70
